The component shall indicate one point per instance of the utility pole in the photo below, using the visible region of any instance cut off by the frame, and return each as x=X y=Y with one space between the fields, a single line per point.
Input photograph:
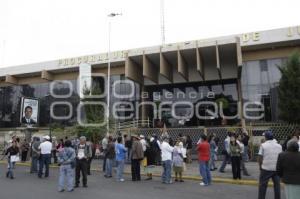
x=111 y=15
x=162 y=21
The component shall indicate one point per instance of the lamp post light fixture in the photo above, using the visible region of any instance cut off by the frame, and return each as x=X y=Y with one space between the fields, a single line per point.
x=111 y=15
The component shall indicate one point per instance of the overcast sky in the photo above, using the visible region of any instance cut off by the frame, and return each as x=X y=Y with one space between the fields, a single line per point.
x=42 y=30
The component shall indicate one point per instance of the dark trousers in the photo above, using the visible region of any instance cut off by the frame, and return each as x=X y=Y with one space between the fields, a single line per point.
x=44 y=161
x=263 y=183
x=24 y=156
x=34 y=164
x=89 y=166
x=128 y=155
x=81 y=166
x=135 y=170
x=236 y=167
x=54 y=156
x=104 y=161
x=158 y=158
x=225 y=162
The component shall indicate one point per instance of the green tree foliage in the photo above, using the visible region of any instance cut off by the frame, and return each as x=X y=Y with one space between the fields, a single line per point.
x=94 y=114
x=289 y=90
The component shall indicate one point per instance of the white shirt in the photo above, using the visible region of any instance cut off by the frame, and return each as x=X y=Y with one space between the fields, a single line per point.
x=270 y=151
x=104 y=143
x=144 y=144
x=80 y=153
x=242 y=146
x=46 y=147
x=227 y=144
x=166 y=151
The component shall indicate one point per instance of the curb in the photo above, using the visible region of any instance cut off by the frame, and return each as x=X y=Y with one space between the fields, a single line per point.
x=193 y=178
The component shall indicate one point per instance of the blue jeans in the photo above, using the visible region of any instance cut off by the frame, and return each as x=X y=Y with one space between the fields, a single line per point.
x=167 y=170
x=120 y=169
x=108 y=167
x=205 y=172
x=34 y=165
x=44 y=160
x=10 y=167
x=212 y=163
x=66 y=173
x=245 y=154
x=264 y=178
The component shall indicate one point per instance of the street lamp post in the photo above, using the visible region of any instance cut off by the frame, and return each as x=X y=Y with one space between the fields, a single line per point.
x=108 y=70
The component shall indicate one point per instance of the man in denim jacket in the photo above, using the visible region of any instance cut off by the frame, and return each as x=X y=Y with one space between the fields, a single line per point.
x=66 y=160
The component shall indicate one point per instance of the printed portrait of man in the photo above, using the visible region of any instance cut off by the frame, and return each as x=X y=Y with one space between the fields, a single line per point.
x=27 y=118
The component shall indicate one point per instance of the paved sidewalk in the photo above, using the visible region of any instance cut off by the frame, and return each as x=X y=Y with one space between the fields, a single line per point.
x=193 y=170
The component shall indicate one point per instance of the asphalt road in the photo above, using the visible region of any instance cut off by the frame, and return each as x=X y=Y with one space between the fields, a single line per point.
x=28 y=186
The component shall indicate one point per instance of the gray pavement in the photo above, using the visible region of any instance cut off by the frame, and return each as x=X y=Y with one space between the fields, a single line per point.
x=28 y=186
x=193 y=170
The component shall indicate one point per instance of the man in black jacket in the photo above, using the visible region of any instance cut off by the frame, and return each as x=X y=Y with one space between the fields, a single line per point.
x=288 y=165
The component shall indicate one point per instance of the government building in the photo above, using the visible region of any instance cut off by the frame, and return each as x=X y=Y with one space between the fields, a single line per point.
x=194 y=77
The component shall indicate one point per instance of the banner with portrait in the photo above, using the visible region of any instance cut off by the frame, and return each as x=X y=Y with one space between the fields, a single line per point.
x=29 y=111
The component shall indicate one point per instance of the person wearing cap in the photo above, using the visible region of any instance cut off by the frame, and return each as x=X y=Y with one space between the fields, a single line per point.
x=267 y=159
x=288 y=165
x=45 y=159
x=166 y=158
x=83 y=153
x=143 y=142
x=137 y=155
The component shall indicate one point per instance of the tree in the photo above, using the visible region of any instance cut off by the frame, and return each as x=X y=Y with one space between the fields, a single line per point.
x=289 y=90
x=94 y=114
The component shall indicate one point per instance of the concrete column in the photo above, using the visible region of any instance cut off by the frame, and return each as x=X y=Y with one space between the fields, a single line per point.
x=200 y=66
x=165 y=68
x=150 y=71
x=182 y=66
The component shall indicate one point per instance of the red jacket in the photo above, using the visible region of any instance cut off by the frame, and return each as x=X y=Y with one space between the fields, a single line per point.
x=203 y=149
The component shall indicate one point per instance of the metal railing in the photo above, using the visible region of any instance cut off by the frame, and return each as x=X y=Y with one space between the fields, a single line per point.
x=121 y=126
x=255 y=132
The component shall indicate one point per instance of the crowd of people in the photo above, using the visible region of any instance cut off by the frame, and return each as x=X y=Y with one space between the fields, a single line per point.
x=74 y=158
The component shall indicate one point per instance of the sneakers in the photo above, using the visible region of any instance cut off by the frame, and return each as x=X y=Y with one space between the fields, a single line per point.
x=121 y=180
x=203 y=184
